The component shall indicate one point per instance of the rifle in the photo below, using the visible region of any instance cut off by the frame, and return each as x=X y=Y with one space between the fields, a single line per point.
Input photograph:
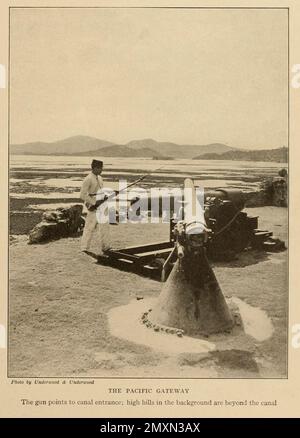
x=117 y=192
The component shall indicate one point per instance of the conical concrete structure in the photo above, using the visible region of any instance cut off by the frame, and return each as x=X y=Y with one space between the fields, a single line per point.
x=191 y=299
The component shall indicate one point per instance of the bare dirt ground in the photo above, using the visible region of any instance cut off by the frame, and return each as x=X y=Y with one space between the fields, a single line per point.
x=59 y=302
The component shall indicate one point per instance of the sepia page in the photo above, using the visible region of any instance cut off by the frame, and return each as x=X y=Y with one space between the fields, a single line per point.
x=149 y=164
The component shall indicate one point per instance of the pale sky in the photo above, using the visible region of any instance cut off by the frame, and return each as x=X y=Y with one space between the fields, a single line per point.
x=193 y=76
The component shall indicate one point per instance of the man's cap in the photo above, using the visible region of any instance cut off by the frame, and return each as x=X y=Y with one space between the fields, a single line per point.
x=97 y=163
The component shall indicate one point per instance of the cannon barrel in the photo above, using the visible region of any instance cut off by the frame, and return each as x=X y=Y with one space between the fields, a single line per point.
x=191 y=299
x=193 y=209
x=236 y=196
x=167 y=199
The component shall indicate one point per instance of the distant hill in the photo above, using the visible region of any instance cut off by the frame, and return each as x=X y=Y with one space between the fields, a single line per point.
x=121 y=151
x=179 y=151
x=68 y=146
x=90 y=146
x=279 y=155
x=81 y=145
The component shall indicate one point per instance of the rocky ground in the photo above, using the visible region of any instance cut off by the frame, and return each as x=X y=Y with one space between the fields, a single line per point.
x=60 y=299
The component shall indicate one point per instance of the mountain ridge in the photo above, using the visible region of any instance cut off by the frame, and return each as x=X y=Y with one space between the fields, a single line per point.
x=279 y=155
x=85 y=145
x=82 y=145
x=120 y=151
x=75 y=144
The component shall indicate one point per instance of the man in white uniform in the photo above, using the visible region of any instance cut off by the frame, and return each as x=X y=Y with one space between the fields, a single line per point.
x=95 y=233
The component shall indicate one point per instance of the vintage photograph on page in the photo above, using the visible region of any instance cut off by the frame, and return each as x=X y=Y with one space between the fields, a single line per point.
x=148 y=193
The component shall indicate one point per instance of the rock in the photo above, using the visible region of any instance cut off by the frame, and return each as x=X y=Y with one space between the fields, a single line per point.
x=50 y=216
x=259 y=198
x=56 y=224
x=280 y=193
x=272 y=191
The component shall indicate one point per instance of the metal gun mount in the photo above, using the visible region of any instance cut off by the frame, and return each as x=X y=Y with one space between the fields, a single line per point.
x=227 y=231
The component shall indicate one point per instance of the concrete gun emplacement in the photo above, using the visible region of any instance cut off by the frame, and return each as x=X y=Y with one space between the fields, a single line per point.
x=212 y=225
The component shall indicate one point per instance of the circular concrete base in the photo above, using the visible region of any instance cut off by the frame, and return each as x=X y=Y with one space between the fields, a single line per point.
x=125 y=322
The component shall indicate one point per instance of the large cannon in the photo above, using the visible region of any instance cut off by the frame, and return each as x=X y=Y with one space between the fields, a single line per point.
x=231 y=231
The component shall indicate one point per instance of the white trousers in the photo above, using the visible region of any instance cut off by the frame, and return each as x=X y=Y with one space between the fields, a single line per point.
x=95 y=236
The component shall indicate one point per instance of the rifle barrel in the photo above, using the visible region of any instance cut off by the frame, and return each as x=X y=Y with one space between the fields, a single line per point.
x=130 y=185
